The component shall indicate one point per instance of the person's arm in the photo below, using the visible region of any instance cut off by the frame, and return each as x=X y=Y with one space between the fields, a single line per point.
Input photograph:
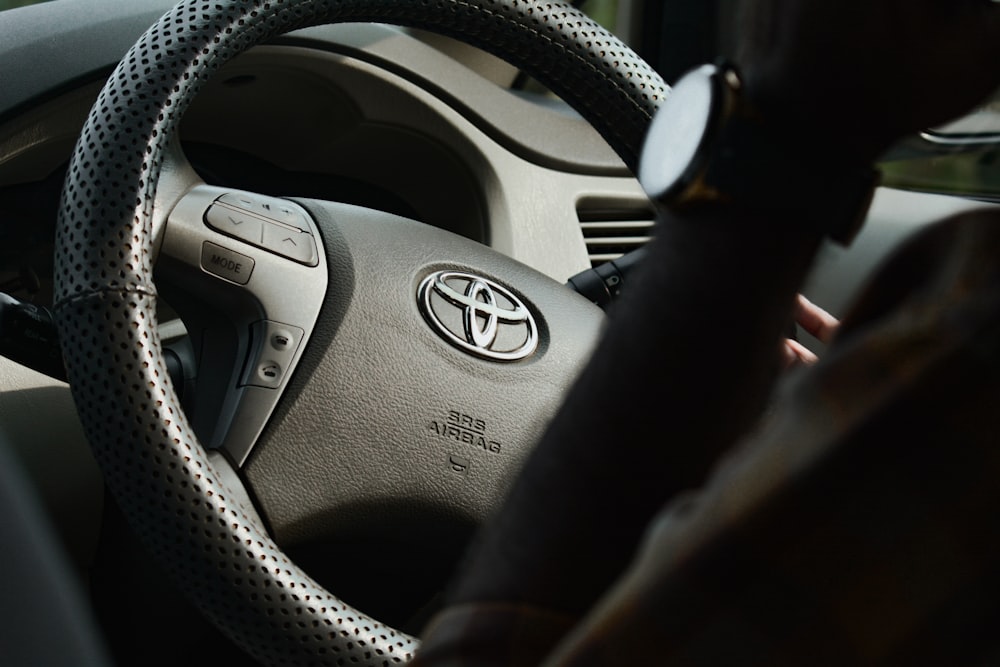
x=681 y=373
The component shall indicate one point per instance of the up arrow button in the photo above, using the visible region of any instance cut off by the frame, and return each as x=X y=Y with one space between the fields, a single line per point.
x=291 y=244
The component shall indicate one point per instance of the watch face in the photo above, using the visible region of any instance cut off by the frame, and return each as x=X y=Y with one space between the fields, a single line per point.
x=671 y=150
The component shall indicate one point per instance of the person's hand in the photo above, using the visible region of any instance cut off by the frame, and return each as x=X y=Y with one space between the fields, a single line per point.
x=852 y=76
x=817 y=322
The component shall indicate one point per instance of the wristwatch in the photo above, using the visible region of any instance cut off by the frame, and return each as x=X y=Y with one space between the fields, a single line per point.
x=707 y=144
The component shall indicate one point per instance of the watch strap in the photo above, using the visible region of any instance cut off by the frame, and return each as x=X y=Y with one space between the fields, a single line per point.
x=743 y=161
x=751 y=167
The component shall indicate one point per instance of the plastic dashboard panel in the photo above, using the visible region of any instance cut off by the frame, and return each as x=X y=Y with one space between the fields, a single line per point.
x=528 y=205
x=528 y=176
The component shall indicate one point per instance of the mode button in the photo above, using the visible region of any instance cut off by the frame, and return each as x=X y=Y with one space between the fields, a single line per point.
x=225 y=263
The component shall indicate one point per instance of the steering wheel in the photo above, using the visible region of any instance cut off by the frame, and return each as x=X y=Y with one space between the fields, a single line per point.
x=411 y=331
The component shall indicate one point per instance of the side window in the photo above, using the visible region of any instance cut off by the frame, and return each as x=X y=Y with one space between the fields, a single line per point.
x=960 y=158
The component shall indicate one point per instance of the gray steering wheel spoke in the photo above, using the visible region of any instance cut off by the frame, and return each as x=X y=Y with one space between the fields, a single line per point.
x=248 y=273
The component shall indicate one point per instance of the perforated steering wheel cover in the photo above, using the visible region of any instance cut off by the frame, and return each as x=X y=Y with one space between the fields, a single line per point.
x=106 y=301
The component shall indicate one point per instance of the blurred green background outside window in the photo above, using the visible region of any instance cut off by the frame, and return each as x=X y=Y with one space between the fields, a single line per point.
x=603 y=11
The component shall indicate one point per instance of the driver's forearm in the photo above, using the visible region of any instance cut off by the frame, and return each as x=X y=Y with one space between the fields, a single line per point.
x=683 y=370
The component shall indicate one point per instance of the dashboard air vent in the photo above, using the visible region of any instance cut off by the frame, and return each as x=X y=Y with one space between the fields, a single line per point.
x=611 y=232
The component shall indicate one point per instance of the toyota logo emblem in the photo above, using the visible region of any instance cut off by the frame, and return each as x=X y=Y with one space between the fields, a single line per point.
x=477 y=315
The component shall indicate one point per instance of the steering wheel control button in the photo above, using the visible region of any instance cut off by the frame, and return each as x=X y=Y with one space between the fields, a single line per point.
x=226 y=264
x=272 y=353
x=290 y=243
x=247 y=201
x=282 y=340
x=269 y=373
x=478 y=316
x=289 y=215
x=273 y=224
x=236 y=224
x=266 y=207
